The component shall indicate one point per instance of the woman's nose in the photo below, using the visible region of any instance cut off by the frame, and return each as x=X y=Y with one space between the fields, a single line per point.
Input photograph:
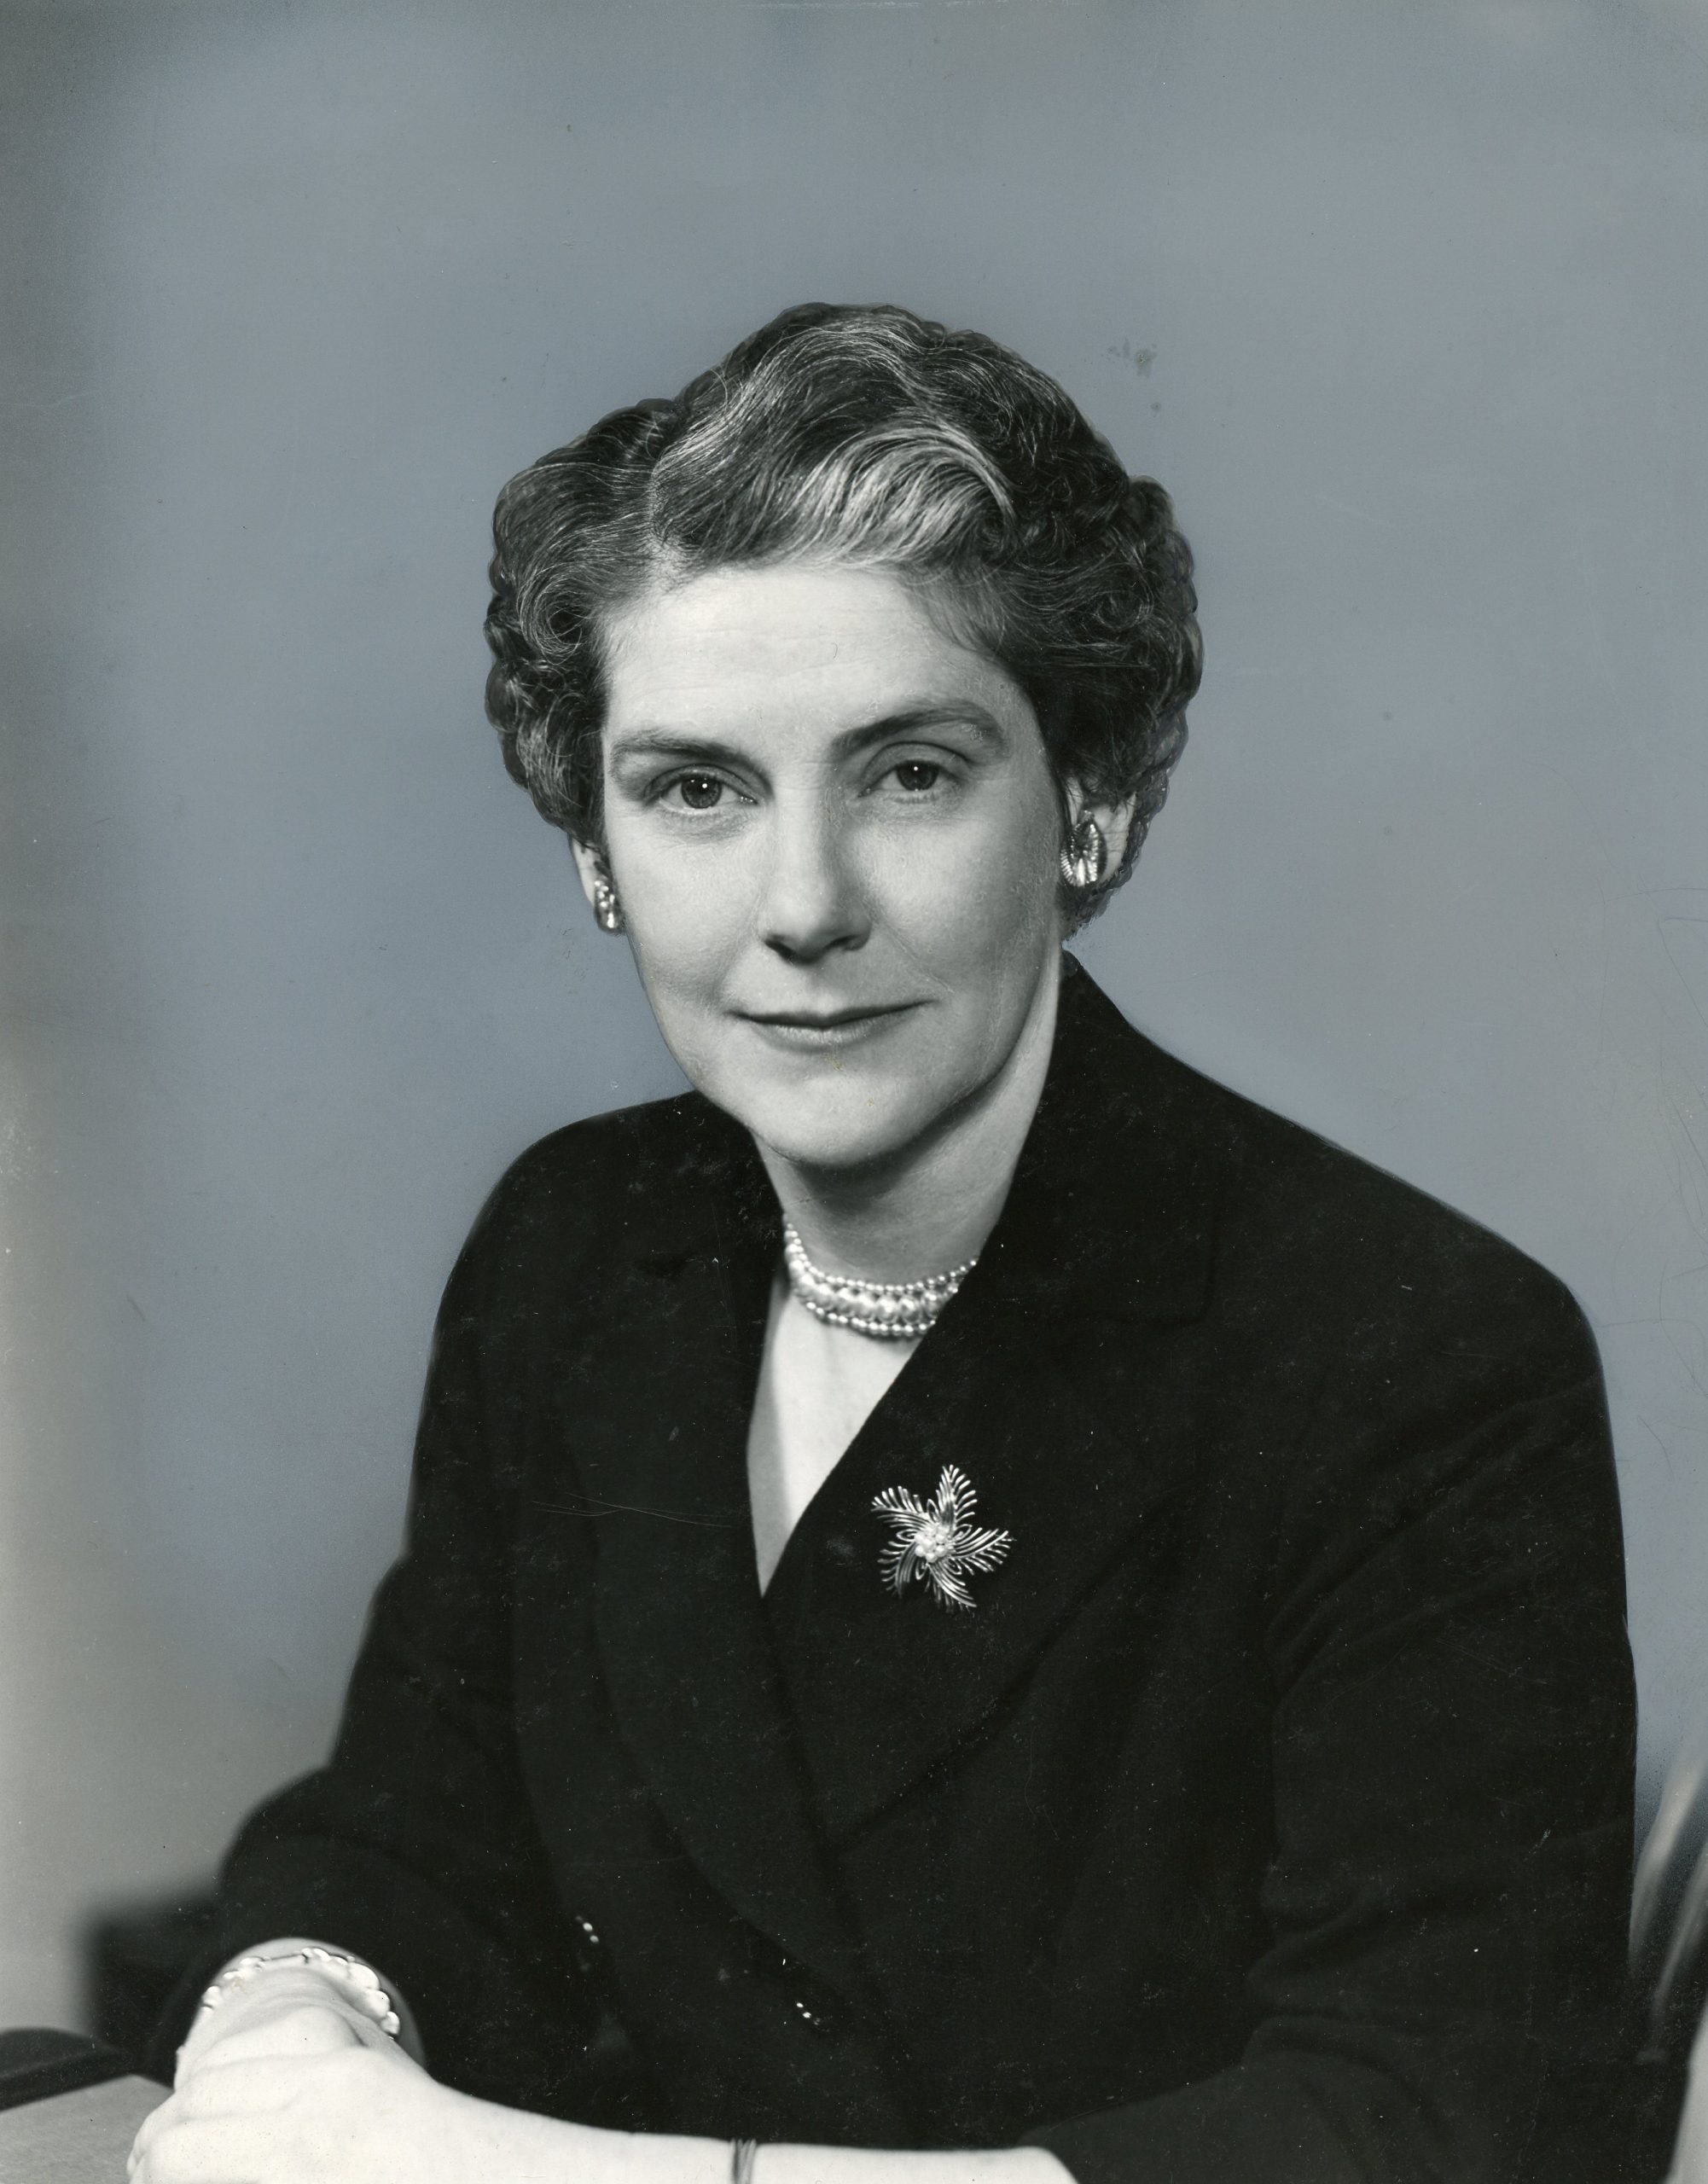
x=811 y=902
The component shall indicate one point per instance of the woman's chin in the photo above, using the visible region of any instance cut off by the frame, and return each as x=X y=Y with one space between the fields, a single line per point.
x=840 y=1127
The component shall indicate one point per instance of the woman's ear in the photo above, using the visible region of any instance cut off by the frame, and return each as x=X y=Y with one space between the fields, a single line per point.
x=589 y=865
x=596 y=886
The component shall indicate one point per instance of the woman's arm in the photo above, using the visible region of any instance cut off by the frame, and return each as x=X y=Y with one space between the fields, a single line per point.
x=286 y=2079
x=413 y=1849
x=1451 y=1737
x=650 y=2159
x=351 y=2115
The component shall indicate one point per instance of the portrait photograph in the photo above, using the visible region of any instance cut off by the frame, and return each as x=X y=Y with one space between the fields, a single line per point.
x=854 y=1092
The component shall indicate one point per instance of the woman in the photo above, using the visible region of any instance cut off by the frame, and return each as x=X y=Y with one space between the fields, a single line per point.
x=975 y=1605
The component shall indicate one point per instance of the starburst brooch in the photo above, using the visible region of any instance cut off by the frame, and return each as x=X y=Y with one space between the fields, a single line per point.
x=936 y=1539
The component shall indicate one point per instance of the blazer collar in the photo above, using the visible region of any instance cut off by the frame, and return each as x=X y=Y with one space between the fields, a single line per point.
x=1112 y=1210
x=768 y=1727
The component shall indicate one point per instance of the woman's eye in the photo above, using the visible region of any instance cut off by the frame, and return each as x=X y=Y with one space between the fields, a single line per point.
x=699 y=792
x=916 y=775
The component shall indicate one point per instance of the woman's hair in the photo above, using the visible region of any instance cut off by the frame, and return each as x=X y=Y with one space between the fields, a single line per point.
x=865 y=436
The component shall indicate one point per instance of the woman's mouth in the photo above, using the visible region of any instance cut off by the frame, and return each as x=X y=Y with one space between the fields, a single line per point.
x=815 y=1031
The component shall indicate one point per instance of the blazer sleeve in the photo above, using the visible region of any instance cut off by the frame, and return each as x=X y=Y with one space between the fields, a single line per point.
x=1452 y=1732
x=414 y=1847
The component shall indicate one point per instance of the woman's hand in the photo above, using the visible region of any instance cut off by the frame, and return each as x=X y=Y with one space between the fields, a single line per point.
x=346 y=2116
x=291 y=2084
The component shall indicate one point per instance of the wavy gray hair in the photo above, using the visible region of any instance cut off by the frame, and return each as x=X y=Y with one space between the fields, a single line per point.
x=868 y=436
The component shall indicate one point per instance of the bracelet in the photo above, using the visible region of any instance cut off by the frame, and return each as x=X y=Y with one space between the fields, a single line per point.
x=357 y=1982
x=743 y=2153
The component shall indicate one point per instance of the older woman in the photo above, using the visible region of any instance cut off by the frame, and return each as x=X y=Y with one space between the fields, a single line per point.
x=974 y=1605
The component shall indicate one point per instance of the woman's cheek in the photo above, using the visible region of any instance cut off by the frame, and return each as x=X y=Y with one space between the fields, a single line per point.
x=978 y=913
x=686 y=921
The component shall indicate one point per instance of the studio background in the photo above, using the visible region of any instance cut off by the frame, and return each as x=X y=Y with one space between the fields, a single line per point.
x=1404 y=305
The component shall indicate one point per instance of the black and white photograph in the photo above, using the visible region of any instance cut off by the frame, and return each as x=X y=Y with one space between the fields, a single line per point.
x=854 y=1092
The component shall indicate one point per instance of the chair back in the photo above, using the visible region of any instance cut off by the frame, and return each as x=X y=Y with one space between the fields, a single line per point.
x=1668 y=1940
x=1668 y=1956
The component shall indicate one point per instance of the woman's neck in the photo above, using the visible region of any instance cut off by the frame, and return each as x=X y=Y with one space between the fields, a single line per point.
x=933 y=1205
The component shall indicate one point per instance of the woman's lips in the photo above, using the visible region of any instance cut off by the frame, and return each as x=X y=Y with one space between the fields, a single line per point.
x=802 y=1031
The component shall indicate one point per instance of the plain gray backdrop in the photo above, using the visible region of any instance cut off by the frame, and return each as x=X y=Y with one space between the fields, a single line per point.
x=1404 y=303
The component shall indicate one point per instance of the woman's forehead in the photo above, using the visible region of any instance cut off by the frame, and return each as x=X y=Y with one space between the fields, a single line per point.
x=822 y=635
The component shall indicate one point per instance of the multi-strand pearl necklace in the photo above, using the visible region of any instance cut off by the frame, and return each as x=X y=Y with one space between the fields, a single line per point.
x=894 y=1311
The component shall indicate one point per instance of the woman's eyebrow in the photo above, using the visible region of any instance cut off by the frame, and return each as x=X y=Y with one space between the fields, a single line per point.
x=685 y=743
x=674 y=743
x=963 y=714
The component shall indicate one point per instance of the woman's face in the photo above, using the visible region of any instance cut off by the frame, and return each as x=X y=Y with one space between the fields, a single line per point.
x=834 y=835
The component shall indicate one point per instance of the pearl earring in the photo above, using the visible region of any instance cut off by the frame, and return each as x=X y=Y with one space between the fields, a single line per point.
x=607 y=910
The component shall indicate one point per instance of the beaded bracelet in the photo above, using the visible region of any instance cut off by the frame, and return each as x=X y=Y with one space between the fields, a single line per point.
x=357 y=1982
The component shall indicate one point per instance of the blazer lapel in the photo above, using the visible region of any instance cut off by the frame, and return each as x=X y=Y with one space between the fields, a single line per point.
x=661 y=1462
x=1052 y=1383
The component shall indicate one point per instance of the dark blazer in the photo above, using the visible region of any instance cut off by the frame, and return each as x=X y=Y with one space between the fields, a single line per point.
x=1269 y=1817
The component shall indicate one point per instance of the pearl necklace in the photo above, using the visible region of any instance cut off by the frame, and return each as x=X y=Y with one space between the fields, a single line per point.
x=893 y=1312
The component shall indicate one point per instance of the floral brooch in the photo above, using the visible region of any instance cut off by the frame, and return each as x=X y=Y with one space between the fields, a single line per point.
x=936 y=1539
